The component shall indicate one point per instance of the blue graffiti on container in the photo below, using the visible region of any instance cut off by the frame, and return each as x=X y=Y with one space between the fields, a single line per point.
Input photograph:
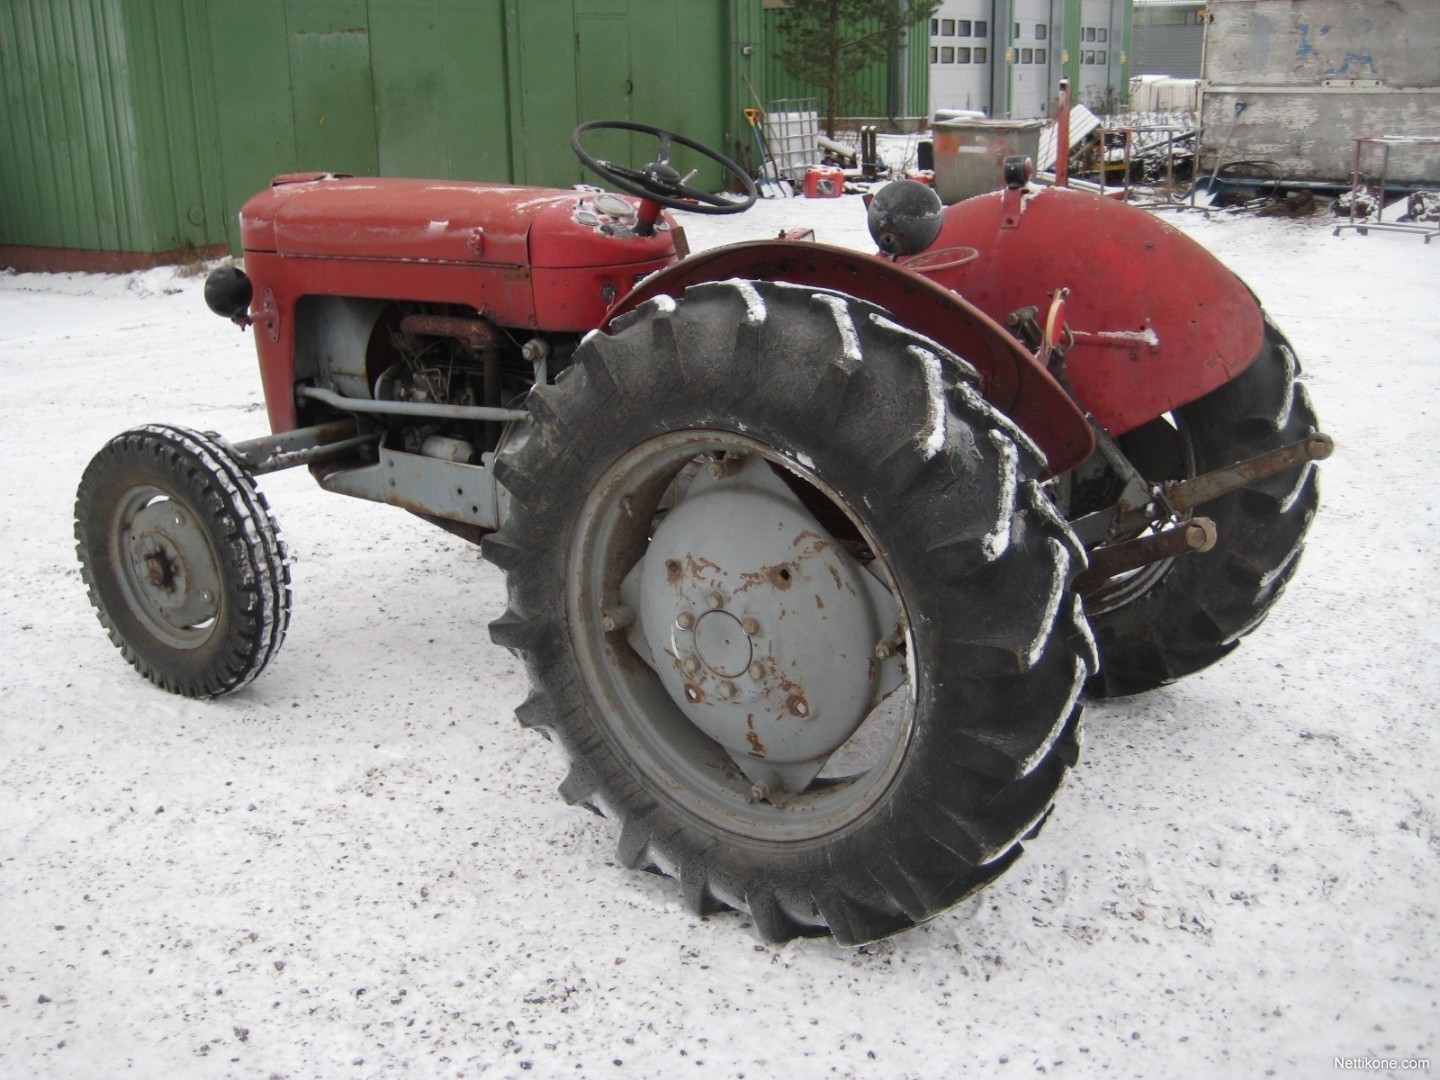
x=1306 y=49
x=1351 y=58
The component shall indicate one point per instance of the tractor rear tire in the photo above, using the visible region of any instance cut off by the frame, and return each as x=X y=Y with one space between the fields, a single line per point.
x=884 y=438
x=1193 y=611
x=182 y=559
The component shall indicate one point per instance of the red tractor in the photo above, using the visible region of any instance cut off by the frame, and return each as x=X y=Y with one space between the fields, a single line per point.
x=812 y=554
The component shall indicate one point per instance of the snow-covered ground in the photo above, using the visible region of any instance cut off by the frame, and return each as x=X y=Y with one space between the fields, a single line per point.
x=358 y=867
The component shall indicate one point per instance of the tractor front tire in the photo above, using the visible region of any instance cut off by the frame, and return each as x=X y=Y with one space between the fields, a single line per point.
x=1179 y=617
x=866 y=449
x=182 y=559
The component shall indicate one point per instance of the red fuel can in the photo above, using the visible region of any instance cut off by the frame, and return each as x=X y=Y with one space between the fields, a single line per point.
x=824 y=182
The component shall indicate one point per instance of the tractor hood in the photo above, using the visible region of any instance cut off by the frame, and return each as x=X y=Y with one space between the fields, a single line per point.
x=442 y=221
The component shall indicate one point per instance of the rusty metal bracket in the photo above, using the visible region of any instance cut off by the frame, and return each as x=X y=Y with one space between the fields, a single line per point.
x=1024 y=323
x=1181 y=496
x=1196 y=535
x=1184 y=495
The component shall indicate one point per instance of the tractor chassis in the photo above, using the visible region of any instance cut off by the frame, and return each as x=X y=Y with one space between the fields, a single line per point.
x=447 y=491
x=461 y=494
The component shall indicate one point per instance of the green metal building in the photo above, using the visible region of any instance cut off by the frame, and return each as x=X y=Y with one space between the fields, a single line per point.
x=131 y=131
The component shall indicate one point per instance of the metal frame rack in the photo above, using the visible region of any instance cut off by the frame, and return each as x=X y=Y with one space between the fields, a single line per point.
x=1385 y=142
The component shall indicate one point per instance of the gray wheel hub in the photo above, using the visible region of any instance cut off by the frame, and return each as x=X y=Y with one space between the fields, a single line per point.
x=766 y=633
x=167 y=570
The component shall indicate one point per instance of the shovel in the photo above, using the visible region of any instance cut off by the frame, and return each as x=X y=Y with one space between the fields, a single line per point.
x=1203 y=195
x=769 y=171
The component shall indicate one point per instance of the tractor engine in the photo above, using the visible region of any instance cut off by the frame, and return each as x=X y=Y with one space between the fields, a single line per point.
x=424 y=354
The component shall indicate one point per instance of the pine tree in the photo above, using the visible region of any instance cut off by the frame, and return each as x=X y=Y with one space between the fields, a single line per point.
x=828 y=41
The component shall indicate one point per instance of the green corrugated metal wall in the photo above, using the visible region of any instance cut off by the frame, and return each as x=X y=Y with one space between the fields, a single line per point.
x=140 y=126
x=107 y=139
x=399 y=88
x=658 y=62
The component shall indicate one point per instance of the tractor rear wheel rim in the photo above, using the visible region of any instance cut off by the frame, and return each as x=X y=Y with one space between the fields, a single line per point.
x=1131 y=586
x=648 y=721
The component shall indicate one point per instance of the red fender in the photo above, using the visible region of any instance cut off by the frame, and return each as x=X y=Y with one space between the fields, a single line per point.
x=1011 y=378
x=1158 y=320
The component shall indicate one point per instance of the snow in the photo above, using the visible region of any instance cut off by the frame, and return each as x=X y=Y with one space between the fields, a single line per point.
x=1143 y=337
x=1077 y=687
x=997 y=541
x=1060 y=555
x=972 y=398
x=844 y=326
x=1092 y=651
x=358 y=867
x=930 y=438
x=754 y=302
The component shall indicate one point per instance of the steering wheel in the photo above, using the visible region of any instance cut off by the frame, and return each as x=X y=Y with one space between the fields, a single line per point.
x=660 y=182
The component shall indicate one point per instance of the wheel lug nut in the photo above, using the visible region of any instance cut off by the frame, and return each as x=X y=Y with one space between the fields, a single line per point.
x=756 y=670
x=750 y=626
x=726 y=691
x=725 y=465
x=691 y=664
x=715 y=600
x=685 y=620
x=617 y=619
x=766 y=787
x=884 y=650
